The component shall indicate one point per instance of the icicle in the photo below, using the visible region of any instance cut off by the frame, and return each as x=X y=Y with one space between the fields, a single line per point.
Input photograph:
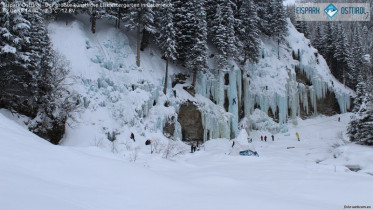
x=313 y=99
x=282 y=108
x=177 y=132
x=239 y=85
x=219 y=97
x=343 y=102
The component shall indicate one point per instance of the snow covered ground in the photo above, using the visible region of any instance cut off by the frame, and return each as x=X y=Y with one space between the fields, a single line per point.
x=313 y=175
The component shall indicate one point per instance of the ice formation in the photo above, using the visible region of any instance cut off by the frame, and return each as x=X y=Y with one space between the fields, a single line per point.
x=112 y=85
x=272 y=85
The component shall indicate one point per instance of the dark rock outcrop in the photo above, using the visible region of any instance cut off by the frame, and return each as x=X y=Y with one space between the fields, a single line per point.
x=329 y=105
x=169 y=128
x=190 y=119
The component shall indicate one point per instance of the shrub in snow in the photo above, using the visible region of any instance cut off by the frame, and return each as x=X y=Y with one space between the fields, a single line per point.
x=173 y=149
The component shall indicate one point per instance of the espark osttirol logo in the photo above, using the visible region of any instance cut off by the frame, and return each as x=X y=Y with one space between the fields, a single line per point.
x=331 y=11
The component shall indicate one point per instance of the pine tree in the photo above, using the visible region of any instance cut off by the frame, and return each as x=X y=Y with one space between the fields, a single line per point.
x=328 y=43
x=95 y=12
x=249 y=33
x=361 y=125
x=302 y=27
x=317 y=40
x=184 y=22
x=276 y=19
x=263 y=16
x=17 y=78
x=141 y=18
x=30 y=77
x=118 y=14
x=223 y=33
x=357 y=55
x=7 y=53
x=198 y=53
x=342 y=65
x=167 y=38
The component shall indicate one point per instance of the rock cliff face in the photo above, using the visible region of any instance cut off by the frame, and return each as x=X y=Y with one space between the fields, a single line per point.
x=190 y=120
x=327 y=106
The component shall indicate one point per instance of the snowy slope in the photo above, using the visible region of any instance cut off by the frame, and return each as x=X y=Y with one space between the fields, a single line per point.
x=37 y=175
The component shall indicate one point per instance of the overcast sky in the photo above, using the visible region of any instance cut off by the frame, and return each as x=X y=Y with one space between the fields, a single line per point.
x=286 y=2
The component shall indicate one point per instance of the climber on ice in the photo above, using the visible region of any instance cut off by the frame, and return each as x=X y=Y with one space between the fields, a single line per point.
x=234 y=100
x=297 y=134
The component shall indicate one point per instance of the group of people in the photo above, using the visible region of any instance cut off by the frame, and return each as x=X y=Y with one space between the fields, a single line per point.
x=265 y=138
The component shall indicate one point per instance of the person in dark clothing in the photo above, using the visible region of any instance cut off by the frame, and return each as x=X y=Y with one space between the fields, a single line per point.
x=234 y=100
x=273 y=138
x=261 y=138
x=133 y=137
x=233 y=144
x=339 y=119
x=191 y=148
x=265 y=138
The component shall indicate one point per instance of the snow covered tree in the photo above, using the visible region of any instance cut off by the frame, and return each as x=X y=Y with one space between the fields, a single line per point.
x=276 y=18
x=95 y=13
x=361 y=125
x=317 y=39
x=357 y=55
x=222 y=32
x=16 y=77
x=184 y=22
x=198 y=53
x=118 y=14
x=328 y=42
x=167 y=38
x=342 y=65
x=302 y=27
x=141 y=18
x=263 y=16
x=58 y=103
x=249 y=33
x=29 y=78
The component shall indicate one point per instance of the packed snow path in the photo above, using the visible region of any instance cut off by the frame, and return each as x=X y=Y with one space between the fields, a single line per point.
x=37 y=175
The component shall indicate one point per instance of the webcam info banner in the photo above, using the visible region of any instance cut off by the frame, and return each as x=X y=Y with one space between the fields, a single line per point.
x=332 y=12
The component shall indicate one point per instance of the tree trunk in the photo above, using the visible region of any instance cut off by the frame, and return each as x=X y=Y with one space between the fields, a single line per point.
x=119 y=19
x=166 y=78
x=278 y=49
x=93 y=20
x=194 y=79
x=66 y=19
x=145 y=39
x=138 y=46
